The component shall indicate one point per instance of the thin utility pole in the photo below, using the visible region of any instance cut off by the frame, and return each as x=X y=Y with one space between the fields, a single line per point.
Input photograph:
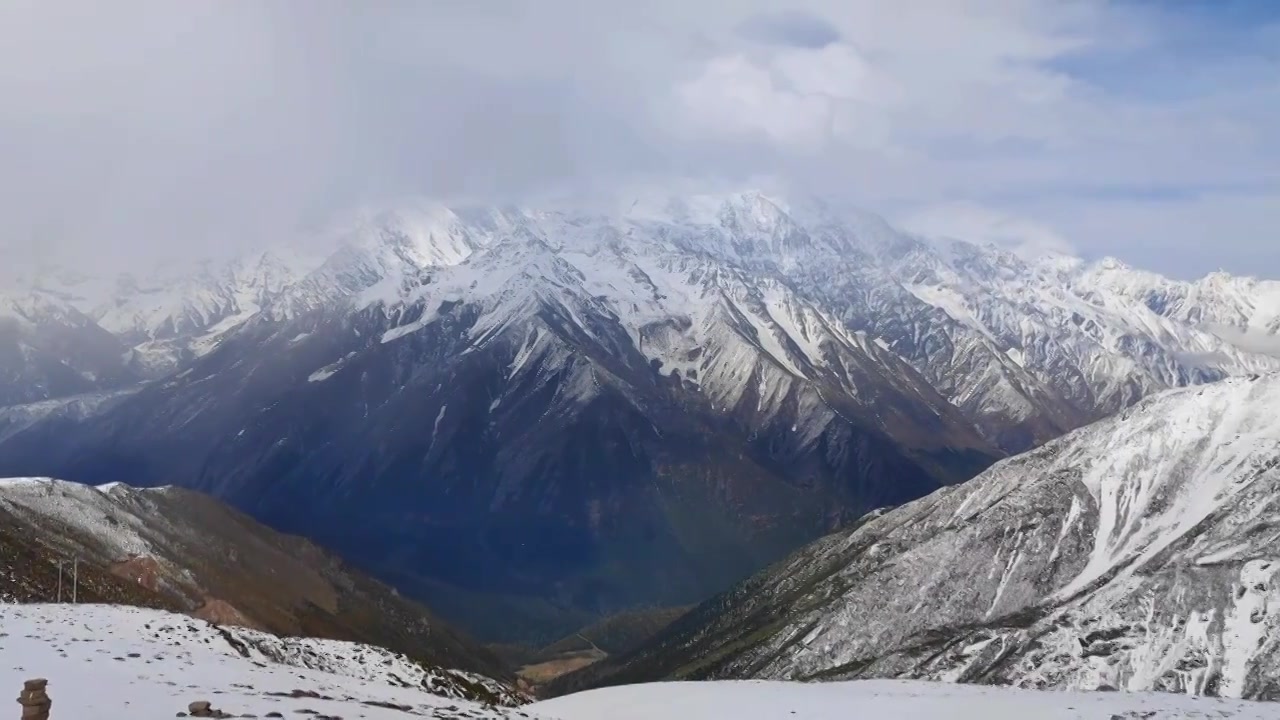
x=75 y=577
x=59 y=581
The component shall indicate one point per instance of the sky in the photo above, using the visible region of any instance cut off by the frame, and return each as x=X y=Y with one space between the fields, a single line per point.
x=1142 y=129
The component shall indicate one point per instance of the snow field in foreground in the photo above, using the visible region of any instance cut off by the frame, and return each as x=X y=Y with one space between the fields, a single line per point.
x=111 y=662
x=881 y=699
x=115 y=663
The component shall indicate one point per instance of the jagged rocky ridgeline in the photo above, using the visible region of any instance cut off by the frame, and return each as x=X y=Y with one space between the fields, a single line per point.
x=1139 y=553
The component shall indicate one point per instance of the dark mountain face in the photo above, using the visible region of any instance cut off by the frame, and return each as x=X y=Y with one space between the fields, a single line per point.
x=551 y=474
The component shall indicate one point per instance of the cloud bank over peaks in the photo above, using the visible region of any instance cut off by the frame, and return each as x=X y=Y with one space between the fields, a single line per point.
x=153 y=128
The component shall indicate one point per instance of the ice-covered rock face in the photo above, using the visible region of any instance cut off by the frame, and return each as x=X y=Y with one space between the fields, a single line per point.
x=1139 y=553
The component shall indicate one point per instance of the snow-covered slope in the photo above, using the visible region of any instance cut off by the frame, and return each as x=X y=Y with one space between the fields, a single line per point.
x=383 y=255
x=904 y=700
x=1140 y=553
x=110 y=661
x=1028 y=350
x=15 y=418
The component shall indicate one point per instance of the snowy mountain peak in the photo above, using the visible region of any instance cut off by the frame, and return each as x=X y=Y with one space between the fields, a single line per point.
x=753 y=208
x=30 y=308
x=706 y=209
x=422 y=235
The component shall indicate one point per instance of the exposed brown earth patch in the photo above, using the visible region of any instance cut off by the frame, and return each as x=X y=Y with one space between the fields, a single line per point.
x=221 y=612
x=613 y=635
x=543 y=672
x=141 y=569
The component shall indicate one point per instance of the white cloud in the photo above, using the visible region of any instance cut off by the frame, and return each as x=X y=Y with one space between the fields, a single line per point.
x=803 y=98
x=975 y=223
x=133 y=128
x=735 y=96
x=1183 y=236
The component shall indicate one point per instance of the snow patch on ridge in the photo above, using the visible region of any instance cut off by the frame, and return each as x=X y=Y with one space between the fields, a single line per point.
x=98 y=512
x=1152 y=490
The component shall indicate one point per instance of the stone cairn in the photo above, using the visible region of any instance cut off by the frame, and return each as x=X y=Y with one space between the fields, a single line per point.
x=203 y=709
x=34 y=700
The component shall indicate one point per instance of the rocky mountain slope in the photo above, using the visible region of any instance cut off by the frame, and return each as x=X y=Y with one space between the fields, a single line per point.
x=179 y=550
x=1139 y=553
x=596 y=411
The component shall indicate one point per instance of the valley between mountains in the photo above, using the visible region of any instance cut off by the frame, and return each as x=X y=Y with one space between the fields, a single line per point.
x=534 y=419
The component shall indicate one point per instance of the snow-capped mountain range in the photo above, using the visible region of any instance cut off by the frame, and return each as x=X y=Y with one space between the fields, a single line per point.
x=1139 y=553
x=716 y=378
x=174 y=314
x=1010 y=342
